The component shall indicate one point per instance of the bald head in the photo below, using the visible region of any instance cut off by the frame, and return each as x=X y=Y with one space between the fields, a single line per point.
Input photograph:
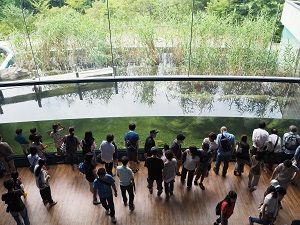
x=223 y=129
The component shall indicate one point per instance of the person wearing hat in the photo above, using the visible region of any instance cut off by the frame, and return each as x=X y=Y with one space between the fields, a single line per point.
x=155 y=167
x=290 y=142
x=149 y=143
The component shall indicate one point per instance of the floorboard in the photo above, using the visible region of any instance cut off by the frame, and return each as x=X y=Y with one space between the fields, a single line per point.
x=75 y=206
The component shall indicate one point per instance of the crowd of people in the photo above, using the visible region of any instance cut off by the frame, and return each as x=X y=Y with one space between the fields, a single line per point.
x=191 y=164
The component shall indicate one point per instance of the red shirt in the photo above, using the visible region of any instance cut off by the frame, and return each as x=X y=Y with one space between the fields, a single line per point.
x=227 y=209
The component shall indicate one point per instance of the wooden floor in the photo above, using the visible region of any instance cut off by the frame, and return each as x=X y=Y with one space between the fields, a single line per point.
x=75 y=206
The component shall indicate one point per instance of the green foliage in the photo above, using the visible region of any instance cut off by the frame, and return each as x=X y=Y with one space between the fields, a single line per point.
x=40 y=6
x=194 y=128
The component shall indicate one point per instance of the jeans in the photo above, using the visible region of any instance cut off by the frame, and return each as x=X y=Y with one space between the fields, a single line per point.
x=190 y=176
x=253 y=220
x=23 y=214
x=225 y=159
x=129 y=189
x=108 y=204
x=158 y=183
x=109 y=167
x=169 y=187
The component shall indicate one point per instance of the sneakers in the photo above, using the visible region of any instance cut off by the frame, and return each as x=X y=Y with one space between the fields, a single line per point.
x=95 y=202
x=52 y=204
x=202 y=186
x=113 y=220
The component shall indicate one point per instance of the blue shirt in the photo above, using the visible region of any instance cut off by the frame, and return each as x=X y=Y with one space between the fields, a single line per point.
x=231 y=140
x=104 y=189
x=21 y=140
x=132 y=137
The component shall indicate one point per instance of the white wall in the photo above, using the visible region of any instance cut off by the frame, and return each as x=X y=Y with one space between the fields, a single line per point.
x=291 y=18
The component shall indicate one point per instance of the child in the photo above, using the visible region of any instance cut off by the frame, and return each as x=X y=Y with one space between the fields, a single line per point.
x=18 y=185
x=255 y=171
x=205 y=161
x=242 y=155
x=169 y=172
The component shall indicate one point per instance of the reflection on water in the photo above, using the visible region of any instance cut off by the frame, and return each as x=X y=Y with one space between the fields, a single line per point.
x=226 y=99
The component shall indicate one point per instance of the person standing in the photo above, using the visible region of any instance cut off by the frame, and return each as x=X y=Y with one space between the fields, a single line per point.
x=176 y=149
x=169 y=172
x=269 y=209
x=103 y=185
x=15 y=205
x=213 y=146
x=275 y=153
x=7 y=156
x=205 y=161
x=226 y=208
x=22 y=141
x=226 y=143
x=132 y=145
x=33 y=158
x=42 y=182
x=90 y=173
x=107 y=153
x=285 y=173
x=57 y=137
x=260 y=138
x=155 y=166
x=72 y=143
x=255 y=171
x=149 y=143
x=290 y=142
x=126 y=177
x=190 y=162
x=88 y=143
x=242 y=156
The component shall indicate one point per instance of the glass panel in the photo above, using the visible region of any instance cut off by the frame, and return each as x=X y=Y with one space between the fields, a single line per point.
x=194 y=108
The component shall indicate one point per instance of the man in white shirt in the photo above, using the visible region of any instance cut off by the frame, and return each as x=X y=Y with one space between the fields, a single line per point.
x=275 y=153
x=107 y=153
x=126 y=177
x=260 y=138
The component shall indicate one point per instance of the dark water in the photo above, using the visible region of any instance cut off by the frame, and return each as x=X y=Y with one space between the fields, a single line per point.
x=213 y=99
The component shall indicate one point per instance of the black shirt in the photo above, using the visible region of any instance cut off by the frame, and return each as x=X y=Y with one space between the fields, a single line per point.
x=89 y=174
x=155 y=166
x=149 y=143
x=13 y=201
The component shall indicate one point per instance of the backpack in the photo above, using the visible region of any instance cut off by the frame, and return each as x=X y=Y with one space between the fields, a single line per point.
x=225 y=143
x=291 y=142
x=218 y=207
x=82 y=167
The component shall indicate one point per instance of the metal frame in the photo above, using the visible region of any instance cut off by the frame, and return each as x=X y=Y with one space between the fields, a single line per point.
x=295 y=80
